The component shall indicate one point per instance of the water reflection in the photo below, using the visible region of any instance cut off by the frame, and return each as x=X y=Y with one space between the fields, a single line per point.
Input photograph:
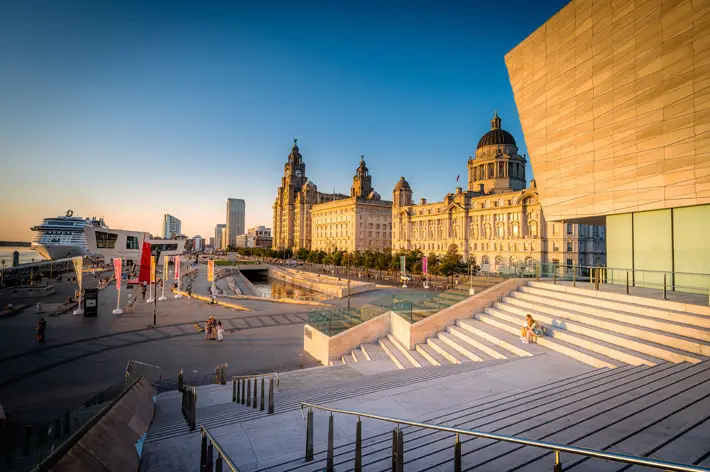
x=272 y=288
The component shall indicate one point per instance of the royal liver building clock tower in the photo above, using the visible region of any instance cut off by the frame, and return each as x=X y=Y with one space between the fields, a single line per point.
x=294 y=184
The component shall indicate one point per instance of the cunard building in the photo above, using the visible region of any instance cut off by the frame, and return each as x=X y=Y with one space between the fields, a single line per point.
x=497 y=220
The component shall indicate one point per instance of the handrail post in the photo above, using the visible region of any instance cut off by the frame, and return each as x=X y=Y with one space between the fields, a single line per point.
x=271 y=395
x=181 y=381
x=218 y=463
x=203 y=452
x=457 y=454
x=554 y=277
x=262 y=395
x=627 y=282
x=249 y=391
x=210 y=457
x=329 y=461
x=558 y=464
x=309 y=436
x=358 y=445
x=574 y=276
x=234 y=390
x=253 y=403
x=244 y=383
x=397 y=450
x=664 y=286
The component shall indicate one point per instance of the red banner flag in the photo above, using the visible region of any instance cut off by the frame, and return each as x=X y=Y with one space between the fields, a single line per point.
x=144 y=273
x=117 y=272
x=177 y=267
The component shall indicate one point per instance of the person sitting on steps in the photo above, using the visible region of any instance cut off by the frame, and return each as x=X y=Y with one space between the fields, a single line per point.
x=531 y=330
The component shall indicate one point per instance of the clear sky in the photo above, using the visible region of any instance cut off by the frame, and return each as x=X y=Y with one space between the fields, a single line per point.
x=129 y=110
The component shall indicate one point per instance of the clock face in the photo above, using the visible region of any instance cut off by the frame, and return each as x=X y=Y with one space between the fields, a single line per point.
x=298 y=173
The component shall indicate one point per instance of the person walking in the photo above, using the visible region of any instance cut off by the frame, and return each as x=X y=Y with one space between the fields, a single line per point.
x=189 y=294
x=220 y=331
x=144 y=288
x=41 y=327
x=208 y=329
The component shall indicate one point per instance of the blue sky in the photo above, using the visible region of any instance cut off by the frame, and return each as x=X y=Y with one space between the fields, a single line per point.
x=129 y=110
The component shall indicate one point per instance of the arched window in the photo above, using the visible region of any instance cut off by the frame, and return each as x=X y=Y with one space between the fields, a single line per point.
x=515 y=230
x=513 y=261
x=474 y=231
x=532 y=228
x=485 y=261
x=499 y=262
x=501 y=169
x=491 y=171
x=486 y=204
x=501 y=231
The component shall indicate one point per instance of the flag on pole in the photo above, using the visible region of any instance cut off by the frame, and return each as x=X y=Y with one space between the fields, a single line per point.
x=458 y=177
x=210 y=271
x=166 y=266
x=424 y=265
x=78 y=262
x=117 y=266
x=152 y=269
x=177 y=267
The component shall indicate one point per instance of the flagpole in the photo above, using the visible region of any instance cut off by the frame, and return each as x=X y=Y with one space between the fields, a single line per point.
x=165 y=278
x=177 y=276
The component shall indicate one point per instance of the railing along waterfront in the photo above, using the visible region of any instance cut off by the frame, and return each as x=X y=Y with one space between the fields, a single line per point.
x=242 y=391
x=398 y=444
x=207 y=461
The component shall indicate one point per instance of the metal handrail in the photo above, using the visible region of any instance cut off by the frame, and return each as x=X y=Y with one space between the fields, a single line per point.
x=270 y=374
x=557 y=448
x=223 y=455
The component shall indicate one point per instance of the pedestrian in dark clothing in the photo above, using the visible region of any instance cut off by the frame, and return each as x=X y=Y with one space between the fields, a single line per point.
x=144 y=288
x=41 y=327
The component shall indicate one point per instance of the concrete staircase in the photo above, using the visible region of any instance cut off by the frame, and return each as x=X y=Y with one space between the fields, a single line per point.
x=660 y=411
x=601 y=332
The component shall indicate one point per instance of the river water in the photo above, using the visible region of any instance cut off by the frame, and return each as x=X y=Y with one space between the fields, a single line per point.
x=26 y=255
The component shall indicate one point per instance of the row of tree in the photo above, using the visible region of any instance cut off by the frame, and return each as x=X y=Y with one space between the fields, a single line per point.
x=446 y=265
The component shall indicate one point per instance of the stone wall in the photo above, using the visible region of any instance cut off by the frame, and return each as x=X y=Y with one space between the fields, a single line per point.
x=326 y=348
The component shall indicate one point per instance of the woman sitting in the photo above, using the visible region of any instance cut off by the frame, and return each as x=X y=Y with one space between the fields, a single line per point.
x=531 y=330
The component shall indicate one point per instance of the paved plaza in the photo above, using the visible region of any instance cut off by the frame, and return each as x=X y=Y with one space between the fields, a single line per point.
x=82 y=356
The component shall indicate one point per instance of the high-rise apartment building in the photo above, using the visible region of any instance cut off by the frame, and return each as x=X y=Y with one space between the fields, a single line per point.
x=171 y=226
x=235 y=219
x=218 y=240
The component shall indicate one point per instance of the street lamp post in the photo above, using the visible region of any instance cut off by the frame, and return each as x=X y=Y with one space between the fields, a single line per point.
x=348 y=283
x=471 y=292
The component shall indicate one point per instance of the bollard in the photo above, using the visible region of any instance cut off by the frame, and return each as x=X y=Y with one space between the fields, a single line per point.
x=262 y=395
x=217 y=379
x=329 y=462
x=234 y=390
x=181 y=381
x=249 y=392
x=203 y=453
x=358 y=446
x=210 y=456
x=28 y=439
x=67 y=424
x=397 y=450
x=457 y=454
x=244 y=388
x=309 y=436
x=253 y=403
x=554 y=277
x=271 y=395
x=558 y=464
x=574 y=276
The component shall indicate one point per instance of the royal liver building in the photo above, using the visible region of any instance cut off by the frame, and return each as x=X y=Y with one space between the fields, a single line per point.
x=294 y=199
x=497 y=220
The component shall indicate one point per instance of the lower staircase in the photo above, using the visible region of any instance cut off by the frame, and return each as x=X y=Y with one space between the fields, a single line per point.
x=619 y=330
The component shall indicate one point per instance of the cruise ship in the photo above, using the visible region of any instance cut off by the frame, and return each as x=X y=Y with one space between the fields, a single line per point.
x=64 y=236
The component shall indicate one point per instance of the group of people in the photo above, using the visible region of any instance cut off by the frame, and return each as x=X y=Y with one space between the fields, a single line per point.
x=214 y=330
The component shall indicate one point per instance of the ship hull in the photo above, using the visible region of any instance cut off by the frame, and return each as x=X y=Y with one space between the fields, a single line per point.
x=58 y=251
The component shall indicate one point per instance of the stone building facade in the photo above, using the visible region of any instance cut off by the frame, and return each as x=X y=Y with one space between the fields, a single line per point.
x=294 y=199
x=361 y=222
x=498 y=221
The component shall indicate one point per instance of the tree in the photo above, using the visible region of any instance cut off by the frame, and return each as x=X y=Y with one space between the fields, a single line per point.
x=369 y=259
x=337 y=258
x=302 y=254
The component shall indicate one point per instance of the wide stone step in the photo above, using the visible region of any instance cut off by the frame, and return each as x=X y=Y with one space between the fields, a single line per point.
x=559 y=306
x=601 y=305
x=445 y=351
x=503 y=341
x=474 y=344
x=463 y=348
x=373 y=352
x=432 y=356
x=570 y=419
x=377 y=443
x=645 y=341
x=427 y=449
x=395 y=356
x=402 y=349
x=508 y=323
x=612 y=350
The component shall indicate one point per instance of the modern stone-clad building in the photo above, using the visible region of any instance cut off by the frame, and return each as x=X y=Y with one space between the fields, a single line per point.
x=361 y=222
x=614 y=101
x=294 y=199
x=497 y=221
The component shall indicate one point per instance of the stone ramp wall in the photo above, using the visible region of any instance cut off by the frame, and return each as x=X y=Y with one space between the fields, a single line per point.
x=110 y=443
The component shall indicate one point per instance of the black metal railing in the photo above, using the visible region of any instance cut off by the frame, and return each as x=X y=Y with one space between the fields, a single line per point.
x=243 y=393
x=189 y=405
x=207 y=460
x=398 y=444
x=220 y=374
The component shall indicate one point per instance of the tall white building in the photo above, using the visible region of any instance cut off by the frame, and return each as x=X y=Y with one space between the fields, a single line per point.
x=235 y=219
x=218 y=240
x=171 y=226
x=199 y=243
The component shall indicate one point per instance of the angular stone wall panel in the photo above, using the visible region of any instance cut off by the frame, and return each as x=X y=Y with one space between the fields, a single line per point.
x=614 y=101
